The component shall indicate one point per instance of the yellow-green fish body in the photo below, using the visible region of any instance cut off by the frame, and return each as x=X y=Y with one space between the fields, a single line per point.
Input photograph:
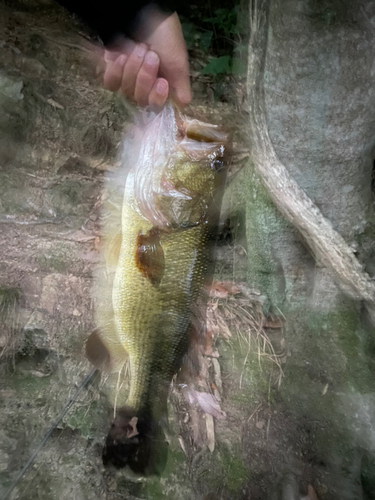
x=160 y=272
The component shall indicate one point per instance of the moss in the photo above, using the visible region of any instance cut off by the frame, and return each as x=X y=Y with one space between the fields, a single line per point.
x=27 y=385
x=86 y=419
x=334 y=347
x=305 y=396
x=234 y=471
x=250 y=376
x=163 y=487
x=263 y=221
x=227 y=472
x=5 y=481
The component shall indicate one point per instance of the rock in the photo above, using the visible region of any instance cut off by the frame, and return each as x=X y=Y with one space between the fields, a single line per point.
x=10 y=88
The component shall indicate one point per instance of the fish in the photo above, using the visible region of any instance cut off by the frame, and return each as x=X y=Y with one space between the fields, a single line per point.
x=161 y=257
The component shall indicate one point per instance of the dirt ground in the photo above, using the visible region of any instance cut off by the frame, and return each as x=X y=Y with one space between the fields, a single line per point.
x=60 y=133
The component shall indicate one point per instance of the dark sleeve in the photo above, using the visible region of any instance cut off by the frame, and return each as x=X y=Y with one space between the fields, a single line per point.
x=110 y=18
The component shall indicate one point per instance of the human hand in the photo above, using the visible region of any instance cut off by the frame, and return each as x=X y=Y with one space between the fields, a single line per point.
x=150 y=71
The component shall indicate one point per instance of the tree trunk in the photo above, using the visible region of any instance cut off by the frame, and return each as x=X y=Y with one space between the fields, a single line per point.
x=311 y=94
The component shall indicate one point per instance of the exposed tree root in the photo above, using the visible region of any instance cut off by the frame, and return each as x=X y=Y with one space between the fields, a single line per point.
x=327 y=246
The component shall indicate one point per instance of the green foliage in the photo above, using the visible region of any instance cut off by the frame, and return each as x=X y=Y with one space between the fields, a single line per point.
x=218 y=36
x=225 y=20
x=205 y=40
x=224 y=65
x=217 y=66
x=189 y=30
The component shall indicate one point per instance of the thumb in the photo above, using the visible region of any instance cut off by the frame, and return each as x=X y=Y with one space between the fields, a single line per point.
x=168 y=42
x=179 y=81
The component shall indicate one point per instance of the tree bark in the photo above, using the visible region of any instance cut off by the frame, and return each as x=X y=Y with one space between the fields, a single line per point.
x=312 y=137
x=326 y=245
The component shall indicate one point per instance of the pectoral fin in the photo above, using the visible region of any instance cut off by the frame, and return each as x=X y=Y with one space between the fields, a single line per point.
x=150 y=256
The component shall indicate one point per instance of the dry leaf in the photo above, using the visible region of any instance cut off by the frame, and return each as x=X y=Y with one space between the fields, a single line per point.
x=90 y=256
x=221 y=289
x=210 y=428
x=54 y=104
x=182 y=444
x=277 y=323
x=209 y=339
x=217 y=375
x=81 y=237
x=311 y=493
x=97 y=243
x=207 y=402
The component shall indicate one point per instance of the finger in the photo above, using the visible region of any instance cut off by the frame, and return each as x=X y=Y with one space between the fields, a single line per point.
x=179 y=80
x=131 y=69
x=146 y=78
x=168 y=41
x=113 y=73
x=111 y=56
x=118 y=47
x=158 y=94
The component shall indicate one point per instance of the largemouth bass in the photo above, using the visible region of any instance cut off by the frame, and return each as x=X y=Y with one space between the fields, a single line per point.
x=169 y=214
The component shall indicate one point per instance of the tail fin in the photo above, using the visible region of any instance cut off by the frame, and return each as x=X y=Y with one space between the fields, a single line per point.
x=136 y=442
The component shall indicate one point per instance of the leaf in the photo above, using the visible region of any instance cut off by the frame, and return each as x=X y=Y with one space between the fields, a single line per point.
x=205 y=40
x=221 y=289
x=210 y=428
x=225 y=20
x=217 y=375
x=217 y=65
x=90 y=256
x=81 y=237
x=208 y=403
x=242 y=47
x=239 y=66
x=209 y=339
x=54 y=104
x=311 y=495
x=182 y=444
x=277 y=323
x=189 y=31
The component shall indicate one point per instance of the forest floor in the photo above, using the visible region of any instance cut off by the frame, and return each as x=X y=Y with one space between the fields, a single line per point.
x=60 y=134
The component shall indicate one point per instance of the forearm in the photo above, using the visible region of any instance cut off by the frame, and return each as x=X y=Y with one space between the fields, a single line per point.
x=114 y=18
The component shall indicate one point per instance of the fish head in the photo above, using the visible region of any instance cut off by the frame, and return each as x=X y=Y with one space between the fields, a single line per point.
x=176 y=181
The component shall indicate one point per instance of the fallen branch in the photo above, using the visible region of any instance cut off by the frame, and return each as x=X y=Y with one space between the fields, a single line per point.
x=326 y=245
